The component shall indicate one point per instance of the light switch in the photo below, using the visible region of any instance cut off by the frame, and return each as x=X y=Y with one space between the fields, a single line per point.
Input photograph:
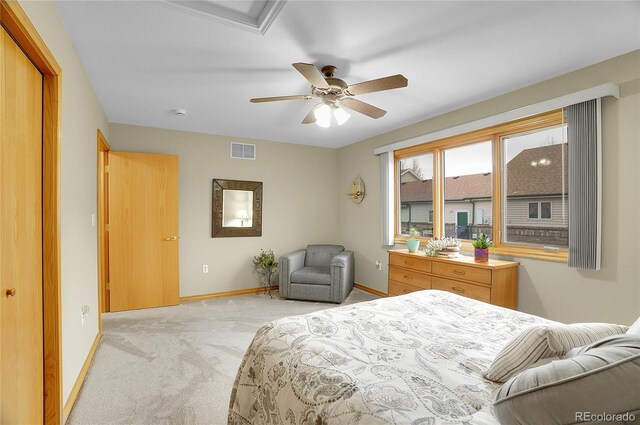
x=93 y=220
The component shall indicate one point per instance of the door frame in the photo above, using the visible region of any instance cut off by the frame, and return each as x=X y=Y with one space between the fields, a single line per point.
x=103 y=214
x=17 y=24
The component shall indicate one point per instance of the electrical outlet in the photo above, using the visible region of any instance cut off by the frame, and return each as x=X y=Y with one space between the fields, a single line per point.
x=84 y=311
x=378 y=265
x=205 y=269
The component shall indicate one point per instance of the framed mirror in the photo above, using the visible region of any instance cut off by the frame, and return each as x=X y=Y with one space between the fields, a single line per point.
x=237 y=208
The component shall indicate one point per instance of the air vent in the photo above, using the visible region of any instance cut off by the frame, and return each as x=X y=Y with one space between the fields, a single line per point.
x=243 y=151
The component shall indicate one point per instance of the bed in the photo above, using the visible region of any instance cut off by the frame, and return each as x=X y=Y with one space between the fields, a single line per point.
x=413 y=359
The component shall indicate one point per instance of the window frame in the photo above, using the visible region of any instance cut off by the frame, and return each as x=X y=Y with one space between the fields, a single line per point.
x=495 y=135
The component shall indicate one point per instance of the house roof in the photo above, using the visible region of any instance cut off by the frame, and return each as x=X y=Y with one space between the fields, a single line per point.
x=420 y=191
x=523 y=178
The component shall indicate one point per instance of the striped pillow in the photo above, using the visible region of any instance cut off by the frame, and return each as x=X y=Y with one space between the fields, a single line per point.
x=543 y=341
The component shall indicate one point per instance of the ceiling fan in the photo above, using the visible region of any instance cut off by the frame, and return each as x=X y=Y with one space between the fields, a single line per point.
x=335 y=94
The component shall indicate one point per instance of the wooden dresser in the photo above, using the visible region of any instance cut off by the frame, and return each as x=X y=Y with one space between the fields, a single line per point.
x=494 y=282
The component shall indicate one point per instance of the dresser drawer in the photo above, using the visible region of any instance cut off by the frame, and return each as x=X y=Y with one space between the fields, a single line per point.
x=409 y=277
x=399 y=288
x=413 y=262
x=457 y=271
x=465 y=289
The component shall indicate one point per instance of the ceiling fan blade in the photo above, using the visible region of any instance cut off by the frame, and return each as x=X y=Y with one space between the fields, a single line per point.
x=311 y=116
x=279 y=98
x=386 y=83
x=311 y=73
x=363 y=108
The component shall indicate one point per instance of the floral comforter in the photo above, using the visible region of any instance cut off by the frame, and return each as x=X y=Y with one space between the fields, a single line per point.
x=414 y=359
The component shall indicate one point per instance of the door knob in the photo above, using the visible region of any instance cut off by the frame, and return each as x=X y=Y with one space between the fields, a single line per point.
x=171 y=238
x=11 y=292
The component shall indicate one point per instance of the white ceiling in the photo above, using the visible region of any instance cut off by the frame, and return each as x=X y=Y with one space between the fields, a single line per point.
x=146 y=58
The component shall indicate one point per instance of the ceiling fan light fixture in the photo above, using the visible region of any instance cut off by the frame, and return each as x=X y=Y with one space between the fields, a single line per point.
x=323 y=115
x=341 y=115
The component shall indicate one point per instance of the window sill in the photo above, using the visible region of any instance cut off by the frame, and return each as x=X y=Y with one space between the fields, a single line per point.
x=560 y=256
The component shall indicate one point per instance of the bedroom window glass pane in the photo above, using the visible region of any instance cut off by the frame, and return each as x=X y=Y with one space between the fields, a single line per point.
x=535 y=172
x=545 y=210
x=416 y=194
x=468 y=191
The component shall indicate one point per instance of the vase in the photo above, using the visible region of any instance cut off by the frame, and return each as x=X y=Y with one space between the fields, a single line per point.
x=413 y=244
x=481 y=255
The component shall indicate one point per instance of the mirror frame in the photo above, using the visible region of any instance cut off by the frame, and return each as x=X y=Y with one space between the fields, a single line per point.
x=217 y=229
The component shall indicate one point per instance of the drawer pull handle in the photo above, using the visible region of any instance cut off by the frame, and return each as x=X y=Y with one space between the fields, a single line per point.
x=408 y=263
x=458 y=290
x=460 y=272
x=408 y=277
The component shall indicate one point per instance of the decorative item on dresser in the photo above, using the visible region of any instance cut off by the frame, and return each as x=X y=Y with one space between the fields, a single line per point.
x=481 y=246
x=494 y=281
x=413 y=242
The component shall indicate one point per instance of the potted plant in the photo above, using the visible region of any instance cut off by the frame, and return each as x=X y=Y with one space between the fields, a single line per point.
x=266 y=266
x=481 y=246
x=413 y=242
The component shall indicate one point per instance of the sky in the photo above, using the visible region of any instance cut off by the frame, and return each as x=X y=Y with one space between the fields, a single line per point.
x=476 y=158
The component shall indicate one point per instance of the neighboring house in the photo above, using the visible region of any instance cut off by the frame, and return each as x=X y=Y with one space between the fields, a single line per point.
x=409 y=175
x=536 y=209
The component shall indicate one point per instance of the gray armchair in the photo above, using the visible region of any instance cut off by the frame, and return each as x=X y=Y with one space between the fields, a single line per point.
x=318 y=273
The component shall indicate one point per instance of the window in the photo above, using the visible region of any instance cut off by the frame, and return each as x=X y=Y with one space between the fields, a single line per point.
x=540 y=210
x=467 y=190
x=545 y=210
x=508 y=182
x=416 y=194
x=535 y=171
x=533 y=210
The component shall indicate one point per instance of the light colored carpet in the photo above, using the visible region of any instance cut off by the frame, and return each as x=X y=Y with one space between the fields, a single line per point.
x=176 y=365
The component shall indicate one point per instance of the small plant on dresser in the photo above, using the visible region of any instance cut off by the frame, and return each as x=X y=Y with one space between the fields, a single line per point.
x=413 y=243
x=481 y=246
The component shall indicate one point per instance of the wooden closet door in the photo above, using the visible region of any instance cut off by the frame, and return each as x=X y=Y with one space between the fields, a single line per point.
x=21 y=313
x=143 y=230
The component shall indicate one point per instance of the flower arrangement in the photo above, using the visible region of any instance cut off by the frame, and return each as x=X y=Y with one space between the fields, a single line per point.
x=482 y=242
x=435 y=246
x=413 y=233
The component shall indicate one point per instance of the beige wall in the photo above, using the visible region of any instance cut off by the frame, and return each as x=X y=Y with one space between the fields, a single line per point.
x=81 y=116
x=548 y=289
x=300 y=201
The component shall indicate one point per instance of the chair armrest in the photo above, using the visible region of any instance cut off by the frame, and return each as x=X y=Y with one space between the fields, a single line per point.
x=288 y=264
x=344 y=259
x=342 y=275
x=293 y=261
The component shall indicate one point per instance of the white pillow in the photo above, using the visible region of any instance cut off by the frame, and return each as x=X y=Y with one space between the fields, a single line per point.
x=543 y=341
x=635 y=328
